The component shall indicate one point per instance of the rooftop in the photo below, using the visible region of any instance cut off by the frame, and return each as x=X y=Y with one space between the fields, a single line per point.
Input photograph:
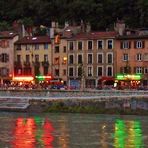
x=7 y=34
x=34 y=40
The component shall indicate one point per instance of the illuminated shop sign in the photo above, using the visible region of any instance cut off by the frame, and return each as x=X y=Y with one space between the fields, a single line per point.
x=129 y=77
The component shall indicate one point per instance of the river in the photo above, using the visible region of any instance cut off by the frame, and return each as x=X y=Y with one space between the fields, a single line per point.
x=59 y=130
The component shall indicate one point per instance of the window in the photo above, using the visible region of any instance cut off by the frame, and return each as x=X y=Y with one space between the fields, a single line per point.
x=71 y=45
x=110 y=44
x=46 y=57
x=99 y=71
x=18 y=58
x=125 y=57
x=71 y=71
x=138 y=69
x=90 y=59
x=90 y=71
x=100 y=58
x=56 y=49
x=71 y=59
x=100 y=44
x=36 y=46
x=79 y=59
x=45 y=70
x=109 y=71
x=146 y=70
x=18 y=47
x=27 y=58
x=4 y=71
x=36 y=58
x=64 y=49
x=64 y=72
x=145 y=57
x=90 y=45
x=80 y=71
x=126 y=69
x=125 y=45
x=27 y=47
x=4 y=57
x=56 y=61
x=139 y=44
x=109 y=58
x=56 y=72
x=139 y=57
x=46 y=46
x=79 y=45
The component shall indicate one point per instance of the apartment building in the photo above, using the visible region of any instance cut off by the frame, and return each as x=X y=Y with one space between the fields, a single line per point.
x=7 y=39
x=132 y=56
x=33 y=56
x=91 y=58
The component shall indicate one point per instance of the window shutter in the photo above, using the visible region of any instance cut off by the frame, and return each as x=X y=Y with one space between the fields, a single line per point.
x=143 y=44
x=7 y=57
x=121 y=45
x=134 y=69
x=135 y=44
x=129 y=44
x=7 y=72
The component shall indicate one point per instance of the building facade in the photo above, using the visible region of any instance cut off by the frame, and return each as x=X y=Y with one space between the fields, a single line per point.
x=33 y=56
x=132 y=57
x=90 y=58
x=7 y=40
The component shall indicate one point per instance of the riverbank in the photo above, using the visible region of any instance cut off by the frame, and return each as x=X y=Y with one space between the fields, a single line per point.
x=126 y=106
x=90 y=101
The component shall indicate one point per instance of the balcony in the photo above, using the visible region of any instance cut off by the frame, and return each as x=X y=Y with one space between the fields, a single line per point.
x=27 y=64
x=45 y=63
x=36 y=64
x=17 y=63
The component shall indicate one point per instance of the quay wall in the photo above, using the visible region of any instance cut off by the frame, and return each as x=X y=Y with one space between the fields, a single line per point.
x=105 y=101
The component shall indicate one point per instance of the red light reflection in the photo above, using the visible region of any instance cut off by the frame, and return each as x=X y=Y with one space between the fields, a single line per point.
x=24 y=134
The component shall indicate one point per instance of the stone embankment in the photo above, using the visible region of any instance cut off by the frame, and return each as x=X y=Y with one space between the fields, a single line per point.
x=90 y=101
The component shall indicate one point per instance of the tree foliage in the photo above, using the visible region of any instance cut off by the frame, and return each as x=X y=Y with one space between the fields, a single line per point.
x=100 y=13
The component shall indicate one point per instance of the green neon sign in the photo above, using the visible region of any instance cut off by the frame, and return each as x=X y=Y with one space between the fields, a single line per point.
x=129 y=77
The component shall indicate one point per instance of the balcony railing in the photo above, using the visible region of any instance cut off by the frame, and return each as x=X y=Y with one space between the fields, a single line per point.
x=45 y=63
x=36 y=63
x=17 y=63
x=27 y=64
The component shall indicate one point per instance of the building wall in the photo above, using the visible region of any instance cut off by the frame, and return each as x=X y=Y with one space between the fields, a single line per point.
x=9 y=50
x=32 y=52
x=59 y=60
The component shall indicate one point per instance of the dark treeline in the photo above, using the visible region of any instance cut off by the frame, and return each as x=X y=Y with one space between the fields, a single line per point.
x=100 y=13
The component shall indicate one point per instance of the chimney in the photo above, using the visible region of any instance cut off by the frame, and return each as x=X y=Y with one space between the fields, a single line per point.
x=53 y=24
x=88 y=27
x=119 y=27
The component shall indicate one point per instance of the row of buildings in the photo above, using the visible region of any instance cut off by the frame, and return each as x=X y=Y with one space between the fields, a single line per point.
x=77 y=57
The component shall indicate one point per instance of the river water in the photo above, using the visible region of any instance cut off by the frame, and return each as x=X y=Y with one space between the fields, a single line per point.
x=58 y=130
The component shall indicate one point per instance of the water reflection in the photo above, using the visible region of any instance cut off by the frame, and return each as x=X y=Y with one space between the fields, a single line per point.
x=73 y=131
x=32 y=132
x=128 y=134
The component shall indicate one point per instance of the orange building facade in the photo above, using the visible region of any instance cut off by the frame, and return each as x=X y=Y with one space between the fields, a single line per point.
x=132 y=58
